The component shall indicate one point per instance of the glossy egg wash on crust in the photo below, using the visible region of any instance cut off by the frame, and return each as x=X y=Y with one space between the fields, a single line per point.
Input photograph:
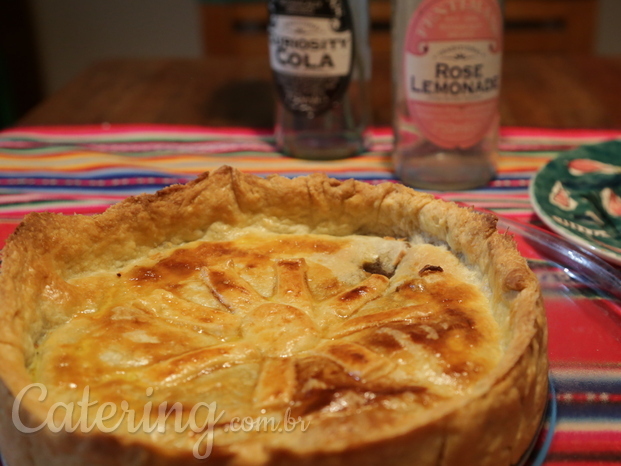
x=266 y=324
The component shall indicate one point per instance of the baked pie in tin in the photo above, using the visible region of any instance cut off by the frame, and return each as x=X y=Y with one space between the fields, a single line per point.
x=246 y=320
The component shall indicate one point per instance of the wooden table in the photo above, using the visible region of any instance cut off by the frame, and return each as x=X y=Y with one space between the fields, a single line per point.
x=537 y=91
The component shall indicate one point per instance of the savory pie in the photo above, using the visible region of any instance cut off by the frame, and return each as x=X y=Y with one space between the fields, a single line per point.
x=270 y=321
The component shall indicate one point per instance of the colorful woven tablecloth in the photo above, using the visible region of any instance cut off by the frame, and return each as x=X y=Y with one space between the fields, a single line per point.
x=86 y=169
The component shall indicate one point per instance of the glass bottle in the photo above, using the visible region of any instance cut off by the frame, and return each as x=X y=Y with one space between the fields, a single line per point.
x=321 y=62
x=446 y=78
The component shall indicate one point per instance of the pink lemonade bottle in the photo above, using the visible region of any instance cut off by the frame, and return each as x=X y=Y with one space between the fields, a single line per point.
x=446 y=76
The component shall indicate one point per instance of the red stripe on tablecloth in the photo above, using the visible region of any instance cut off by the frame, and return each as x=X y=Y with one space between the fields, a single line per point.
x=588 y=397
x=103 y=129
x=582 y=322
x=593 y=442
x=513 y=131
x=521 y=131
x=6 y=228
x=569 y=462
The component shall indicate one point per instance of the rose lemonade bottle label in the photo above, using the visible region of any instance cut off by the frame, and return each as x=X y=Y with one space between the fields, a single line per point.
x=452 y=65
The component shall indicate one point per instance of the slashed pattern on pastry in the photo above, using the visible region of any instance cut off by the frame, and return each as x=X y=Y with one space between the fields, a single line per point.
x=319 y=325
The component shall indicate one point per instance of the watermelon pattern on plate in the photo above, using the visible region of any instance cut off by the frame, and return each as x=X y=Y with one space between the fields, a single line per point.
x=578 y=195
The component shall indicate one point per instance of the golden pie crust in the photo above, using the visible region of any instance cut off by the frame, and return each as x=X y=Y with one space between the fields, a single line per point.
x=394 y=328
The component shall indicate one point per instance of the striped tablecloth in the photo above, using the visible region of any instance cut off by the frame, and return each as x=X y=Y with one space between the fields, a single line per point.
x=86 y=169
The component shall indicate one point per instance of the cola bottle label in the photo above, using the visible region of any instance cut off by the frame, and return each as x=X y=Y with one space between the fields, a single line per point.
x=452 y=65
x=311 y=53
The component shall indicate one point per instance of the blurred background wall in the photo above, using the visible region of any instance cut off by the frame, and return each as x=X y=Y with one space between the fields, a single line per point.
x=609 y=30
x=71 y=34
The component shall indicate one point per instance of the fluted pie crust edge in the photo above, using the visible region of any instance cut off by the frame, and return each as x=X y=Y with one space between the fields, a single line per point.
x=493 y=425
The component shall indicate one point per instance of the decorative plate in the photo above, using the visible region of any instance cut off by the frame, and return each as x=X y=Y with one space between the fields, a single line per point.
x=578 y=195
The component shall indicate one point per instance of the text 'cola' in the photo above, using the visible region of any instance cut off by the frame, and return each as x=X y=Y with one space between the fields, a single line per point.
x=321 y=62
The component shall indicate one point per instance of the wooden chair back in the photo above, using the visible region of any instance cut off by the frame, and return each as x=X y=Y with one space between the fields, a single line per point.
x=551 y=26
x=546 y=26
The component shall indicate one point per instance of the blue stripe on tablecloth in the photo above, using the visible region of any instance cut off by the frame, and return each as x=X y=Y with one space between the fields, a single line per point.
x=591 y=412
x=588 y=381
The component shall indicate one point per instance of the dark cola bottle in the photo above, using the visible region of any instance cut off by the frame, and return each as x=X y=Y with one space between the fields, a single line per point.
x=321 y=63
